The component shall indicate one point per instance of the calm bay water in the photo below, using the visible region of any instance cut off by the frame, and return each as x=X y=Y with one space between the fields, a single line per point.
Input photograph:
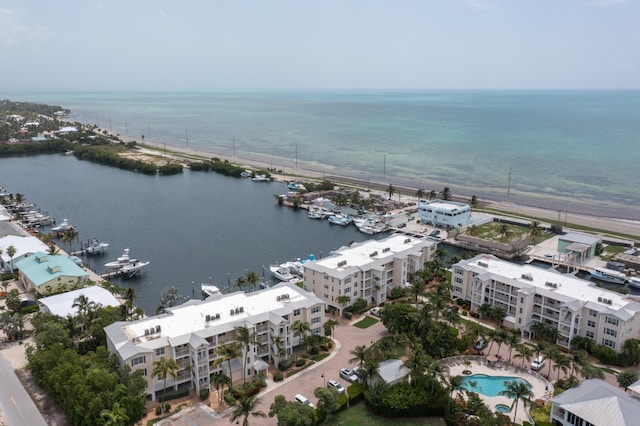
x=575 y=151
x=192 y=227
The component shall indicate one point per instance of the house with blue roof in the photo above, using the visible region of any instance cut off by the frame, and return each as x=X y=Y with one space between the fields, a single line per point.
x=46 y=273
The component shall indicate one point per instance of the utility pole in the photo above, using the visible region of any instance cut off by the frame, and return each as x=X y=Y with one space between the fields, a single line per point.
x=509 y=187
x=384 y=168
x=186 y=136
x=126 y=128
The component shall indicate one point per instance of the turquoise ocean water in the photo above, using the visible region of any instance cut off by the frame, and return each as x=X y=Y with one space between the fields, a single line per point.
x=566 y=150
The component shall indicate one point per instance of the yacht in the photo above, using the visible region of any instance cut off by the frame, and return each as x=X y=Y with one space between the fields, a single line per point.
x=120 y=261
x=64 y=226
x=246 y=173
x=209 y=290
x=260 y=178
x=634 y=282
x=608 y=275
x=133 y=267
x=282 y=273
x=94 y=246
x=339 y=219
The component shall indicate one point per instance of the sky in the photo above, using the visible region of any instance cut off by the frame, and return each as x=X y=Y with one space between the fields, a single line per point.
x=319 y=44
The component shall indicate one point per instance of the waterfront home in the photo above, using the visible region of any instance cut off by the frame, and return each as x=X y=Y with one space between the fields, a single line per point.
x=578 y=247
x=594 y=402
x=367 y=270
x=447 y=214
x=193 y=333
x=529 y=295
x=62 y=304
x=24 y=245
x=46 y=273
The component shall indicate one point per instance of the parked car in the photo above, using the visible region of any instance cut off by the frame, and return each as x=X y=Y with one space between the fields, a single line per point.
x=348 y=375
x=481 y=344
x=334 y=384
x=537 y=363
x=402 y=225
x=434 y=233
x=423 y=230
x=376 y=311
x=302 y=400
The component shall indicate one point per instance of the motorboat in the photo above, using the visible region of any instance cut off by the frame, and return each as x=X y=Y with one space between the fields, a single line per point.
x=94 y=246
x=608 y=275
x=120 y=261
x=133 y=267
x=283 y=273
x=296 y=186
x=260 y=178
x=339 y=219
x=209 y=290
x=246 y=173
x=634 y=282
x=64 y=226
x=68 y=152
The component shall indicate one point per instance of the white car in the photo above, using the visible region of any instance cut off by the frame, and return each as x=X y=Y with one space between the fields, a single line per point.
x=376 y=311
x=537 y=363
x=302 y=400
x=348 y=375
x=334 y=384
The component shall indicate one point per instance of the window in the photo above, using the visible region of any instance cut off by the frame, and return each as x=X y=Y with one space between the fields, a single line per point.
x=610 y=332
x=347 y=290
x=458 y=289
x=315 y=309
x=522 y=300
x=347 y=280
x=612 y=321
x=144 y=372
x=138 y=360
x=458 y=271
x=458 y=280
x=296 y=312
x=593 y=313
x=590 y=334
x=591 y=323
x=315 y=320
x=609 y=343
x=159 y=351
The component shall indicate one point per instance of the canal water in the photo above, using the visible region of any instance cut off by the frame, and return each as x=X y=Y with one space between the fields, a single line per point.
x=193 y=227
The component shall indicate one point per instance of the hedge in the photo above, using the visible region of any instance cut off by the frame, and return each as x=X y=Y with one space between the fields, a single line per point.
x=278 y=376
x=285 y=364
x=355 y=392
x=300 y=362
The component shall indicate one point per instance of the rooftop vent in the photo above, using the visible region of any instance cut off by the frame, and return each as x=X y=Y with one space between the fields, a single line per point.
x=241 y=308
x=527 y=277
x=158 y=329
x=218 y=316
x=484 y=265
x=599 y=299
x=146 y=331
x=232 y=312
x=341 y=264
x=408 y=240
x=386 y=249
x=207 y=318
x=373 y=253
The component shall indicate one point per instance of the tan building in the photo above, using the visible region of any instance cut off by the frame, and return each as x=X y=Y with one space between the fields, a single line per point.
x=528 y=294
x=192 y=333
x=367 y=270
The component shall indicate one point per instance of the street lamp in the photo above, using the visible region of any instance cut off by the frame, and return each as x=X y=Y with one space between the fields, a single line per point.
x=324 y=381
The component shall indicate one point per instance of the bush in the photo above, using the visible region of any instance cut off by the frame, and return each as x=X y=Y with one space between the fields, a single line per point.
x=347 y=315
x=278 y=376
x=342 y=401
x=204 y=394
x=285 y=364
x=300 y=362
x=355 y=392
x=397 y=293
x=605 y=354
x=464 y=313
x=29 y=309
x=158 y=410
x=228 y=398
x=474 y=314
x=167 y=407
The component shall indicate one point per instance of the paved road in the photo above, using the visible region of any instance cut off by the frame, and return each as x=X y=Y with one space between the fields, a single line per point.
x=16 y=403
x=311 y=378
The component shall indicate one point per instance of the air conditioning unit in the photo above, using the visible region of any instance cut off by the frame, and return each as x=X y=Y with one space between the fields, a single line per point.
x=217 y=316
x=241 y=308
x=231 y=312
x=207 y=318
x=158 y=329
x=599 y=299
x=146 y=332
x=278 y=298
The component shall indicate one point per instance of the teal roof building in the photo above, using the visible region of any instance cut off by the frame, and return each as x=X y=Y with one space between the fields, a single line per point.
x=46 y=273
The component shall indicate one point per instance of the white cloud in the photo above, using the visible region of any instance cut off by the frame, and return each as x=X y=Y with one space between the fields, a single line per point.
x=15 y=32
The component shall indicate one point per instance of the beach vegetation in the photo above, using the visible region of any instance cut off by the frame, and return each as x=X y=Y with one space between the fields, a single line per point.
x=446 y=194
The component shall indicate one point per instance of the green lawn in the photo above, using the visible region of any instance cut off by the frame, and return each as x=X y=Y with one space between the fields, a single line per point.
x=358 y=415
x=366 y=322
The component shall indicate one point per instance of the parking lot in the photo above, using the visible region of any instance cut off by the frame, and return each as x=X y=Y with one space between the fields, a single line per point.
x=347 y=338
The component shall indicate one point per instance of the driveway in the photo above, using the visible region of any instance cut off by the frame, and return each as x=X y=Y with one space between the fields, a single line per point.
x=347 y=338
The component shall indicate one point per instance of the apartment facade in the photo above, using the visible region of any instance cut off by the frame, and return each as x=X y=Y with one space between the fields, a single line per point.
x=192 y=333
x=443 y=213
x=528 y=294
x=367 y=270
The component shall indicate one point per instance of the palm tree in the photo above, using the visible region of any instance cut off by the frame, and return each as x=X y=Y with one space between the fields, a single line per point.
x=359 y=355
x=420 y=194
x=432 y=194
x=512 y=341
x=504 y=230
x=475 y=330
x=245 y=338
x=561 y=362
x=252 y=279
x=117 y=416
x=535 y=230
x=627 y=378
x=517 y=391
x=343 y=300
x=52 y=249
x=228 y=352
x=240 y=282
x=417 y=363
x=552 y=353
x=391 y=190
x=437 y=371
x=329 y=326
x=69 y=235
x=525 y=352
x=368 y=371
x=245 y=406
x=300 y=328
x=446 y=193
x=11 y=251
x=219 y=379
x=164 y=367
x=456 y=384
x=277 y=341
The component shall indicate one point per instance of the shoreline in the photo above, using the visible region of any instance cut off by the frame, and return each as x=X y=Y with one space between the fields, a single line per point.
x=620 y=225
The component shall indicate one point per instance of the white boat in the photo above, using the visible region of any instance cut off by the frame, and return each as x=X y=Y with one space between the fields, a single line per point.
x=64 y=226
x=94 y=246
x=133 y=267
x=260 y=178
x=68 y=152
x=339 y=219
x=120 y=261
x=246 y=173
x=608 y=275
x=209 y=290
x=283 y=273
x=634 y=282
x=296 y=186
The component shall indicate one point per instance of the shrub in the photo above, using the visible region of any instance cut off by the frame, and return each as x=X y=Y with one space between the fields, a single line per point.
x=464 y=313
x=228 y=398
x=158 y=410
x=167 y=407
x=285 y=364
x=605 y=354
x=342 y=401
x=278 y=376
x=474 y=314
x=397 y=293
x=300 y=362
x=29 y=309
x=355 y=392
x=204 y=394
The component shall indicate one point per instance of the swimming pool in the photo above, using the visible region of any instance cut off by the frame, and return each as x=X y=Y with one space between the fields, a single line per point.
x=504 y=409
x=489 y=385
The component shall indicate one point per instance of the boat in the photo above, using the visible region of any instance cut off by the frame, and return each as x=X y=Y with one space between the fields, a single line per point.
x=246 y=173
x=634 y=282
x=260 y=178
x=68 y=152
x=283 y=273
x=64 y=226
x=296 y=186
x=209 y=290
x=339 y=219
x=120 y=261
x=608 y=275
x=133 y=267
x=94 y=246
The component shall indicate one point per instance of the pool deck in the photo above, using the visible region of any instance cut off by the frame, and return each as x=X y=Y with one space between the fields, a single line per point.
x=539 y=386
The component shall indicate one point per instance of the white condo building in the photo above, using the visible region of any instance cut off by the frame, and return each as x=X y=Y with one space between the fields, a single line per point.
x=192 y=333
x=528 y=294
x=367 y=270
x=443 y=213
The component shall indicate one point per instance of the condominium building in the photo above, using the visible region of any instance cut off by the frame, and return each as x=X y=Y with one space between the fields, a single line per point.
x=448 y=214
x=367 y=270
x=192 y=333
x=528 y=294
